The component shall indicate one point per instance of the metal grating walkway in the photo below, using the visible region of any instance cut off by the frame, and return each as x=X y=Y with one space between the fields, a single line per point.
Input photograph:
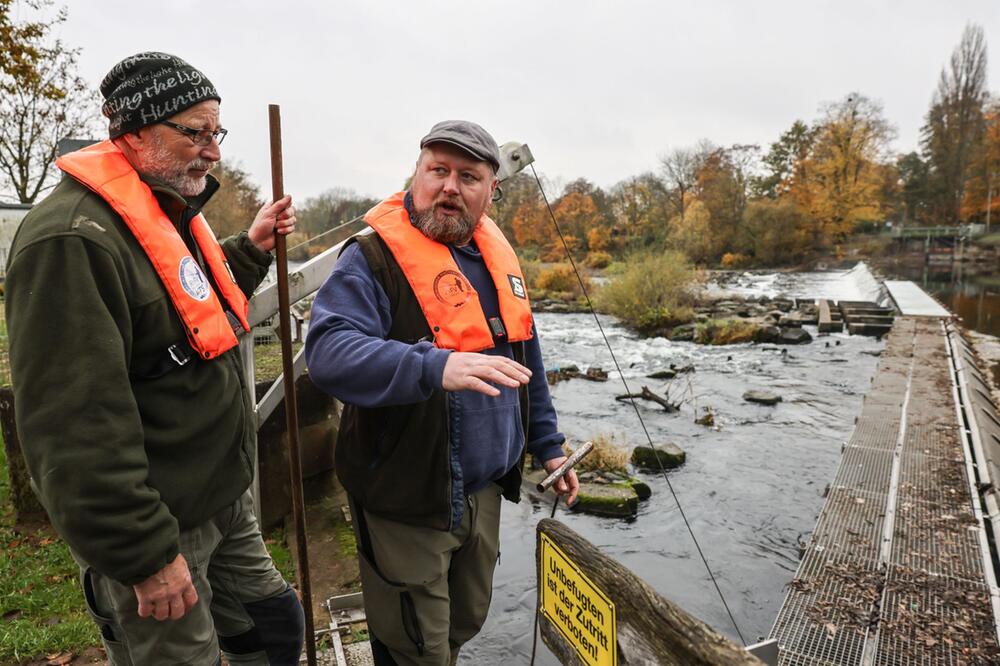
x=898 y=571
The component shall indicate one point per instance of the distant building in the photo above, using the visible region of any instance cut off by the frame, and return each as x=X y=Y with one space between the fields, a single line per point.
x=10 y=218
x=73 y=145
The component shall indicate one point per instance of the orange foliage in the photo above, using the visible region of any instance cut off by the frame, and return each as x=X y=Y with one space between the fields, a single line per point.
x=577 y=215
x=531 y=225
x=983 y=187
x=599 y=239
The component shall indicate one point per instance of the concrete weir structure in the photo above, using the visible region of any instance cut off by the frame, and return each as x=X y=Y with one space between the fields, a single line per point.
x=901 y=567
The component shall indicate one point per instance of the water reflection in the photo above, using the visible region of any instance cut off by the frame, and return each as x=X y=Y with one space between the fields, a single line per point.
x=973 y=296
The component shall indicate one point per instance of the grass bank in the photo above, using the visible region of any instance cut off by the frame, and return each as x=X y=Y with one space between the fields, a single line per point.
x=41 y=605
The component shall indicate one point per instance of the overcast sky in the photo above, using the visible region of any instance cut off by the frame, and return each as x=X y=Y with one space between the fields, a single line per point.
x=596 y=89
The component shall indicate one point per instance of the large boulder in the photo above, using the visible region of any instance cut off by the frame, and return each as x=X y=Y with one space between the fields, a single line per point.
x=768 y=334
x=762 y=397
x=669 y=454
x=794 y=336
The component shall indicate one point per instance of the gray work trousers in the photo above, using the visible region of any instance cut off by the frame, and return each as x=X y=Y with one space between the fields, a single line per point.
x=235 y=579
x=428 y=591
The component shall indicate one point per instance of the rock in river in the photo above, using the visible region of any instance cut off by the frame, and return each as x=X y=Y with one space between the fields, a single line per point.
x=669 y=454
x=682 y=333
x=762 y=397
x=768 y=334
x=794 y=336
x=607 y=500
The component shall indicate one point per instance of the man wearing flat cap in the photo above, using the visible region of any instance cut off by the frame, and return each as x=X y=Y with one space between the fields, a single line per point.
x=424 y=331
x=124 y=314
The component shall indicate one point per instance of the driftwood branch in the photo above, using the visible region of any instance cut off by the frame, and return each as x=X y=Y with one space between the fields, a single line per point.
x=646 y=394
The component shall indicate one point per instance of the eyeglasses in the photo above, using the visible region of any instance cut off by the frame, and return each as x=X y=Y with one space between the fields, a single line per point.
x=201 y=137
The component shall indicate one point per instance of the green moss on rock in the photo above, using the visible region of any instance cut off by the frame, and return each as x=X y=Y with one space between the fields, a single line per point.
x=670 y=455
x=614 y=500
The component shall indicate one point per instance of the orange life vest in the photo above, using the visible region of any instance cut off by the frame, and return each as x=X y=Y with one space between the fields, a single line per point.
x=105 y=170
x=449 y=303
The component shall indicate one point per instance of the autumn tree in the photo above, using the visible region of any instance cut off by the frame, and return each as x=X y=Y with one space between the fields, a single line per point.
x=722 y=184
x=981 y=200
x=680 y=170
x=233 y=207
x=22 y=43
x=640 y=207
x=517 y=190
x=531 y=226
x=843 y=185
x=692 y=234
x=44 y=100
x=600 y=198
x=955 y=123
x=775 y=232
x=577 y=214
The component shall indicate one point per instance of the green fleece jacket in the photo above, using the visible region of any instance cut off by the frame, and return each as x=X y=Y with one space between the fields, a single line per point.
x=121 y=462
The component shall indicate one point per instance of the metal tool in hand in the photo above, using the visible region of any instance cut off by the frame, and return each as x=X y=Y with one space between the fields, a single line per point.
x=569 y=464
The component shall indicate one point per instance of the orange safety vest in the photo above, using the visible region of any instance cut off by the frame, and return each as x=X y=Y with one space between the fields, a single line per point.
x=449 y=303
x=105 y=170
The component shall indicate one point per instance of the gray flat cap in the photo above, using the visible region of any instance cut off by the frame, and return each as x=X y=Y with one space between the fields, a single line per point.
x=468 y=136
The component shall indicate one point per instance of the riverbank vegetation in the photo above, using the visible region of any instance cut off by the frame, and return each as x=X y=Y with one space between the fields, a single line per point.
x=651 y=291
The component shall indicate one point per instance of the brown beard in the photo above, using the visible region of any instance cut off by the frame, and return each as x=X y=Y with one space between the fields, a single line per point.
x=447 y=229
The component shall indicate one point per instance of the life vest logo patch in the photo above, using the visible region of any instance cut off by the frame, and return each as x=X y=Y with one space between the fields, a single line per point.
x=452 y=288
x=193 y=281
x=517 y=286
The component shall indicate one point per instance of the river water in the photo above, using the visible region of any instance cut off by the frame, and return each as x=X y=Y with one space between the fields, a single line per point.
x=973 y=296
x=751 y=488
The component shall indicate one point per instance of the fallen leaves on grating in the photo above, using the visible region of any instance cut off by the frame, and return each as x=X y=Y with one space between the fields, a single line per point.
x=844 y=595
x=928 y=615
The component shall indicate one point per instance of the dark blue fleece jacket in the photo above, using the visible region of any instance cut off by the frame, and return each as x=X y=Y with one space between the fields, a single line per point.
x=349 y=357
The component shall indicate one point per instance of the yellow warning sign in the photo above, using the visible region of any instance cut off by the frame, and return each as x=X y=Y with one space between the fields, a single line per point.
x=582 y=612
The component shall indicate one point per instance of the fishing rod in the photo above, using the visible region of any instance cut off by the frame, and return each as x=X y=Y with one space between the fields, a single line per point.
x=635 y=407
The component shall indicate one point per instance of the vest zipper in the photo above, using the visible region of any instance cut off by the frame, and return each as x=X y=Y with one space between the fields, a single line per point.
x=451 y=478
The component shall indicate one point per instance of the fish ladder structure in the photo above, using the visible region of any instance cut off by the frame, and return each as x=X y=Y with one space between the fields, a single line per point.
x=901 y=567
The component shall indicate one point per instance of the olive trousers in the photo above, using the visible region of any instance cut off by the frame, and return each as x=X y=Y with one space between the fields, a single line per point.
x=244 y=605
x=427 y=591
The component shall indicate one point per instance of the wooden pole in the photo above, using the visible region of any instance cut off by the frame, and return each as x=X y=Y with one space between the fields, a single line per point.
x=291 y=407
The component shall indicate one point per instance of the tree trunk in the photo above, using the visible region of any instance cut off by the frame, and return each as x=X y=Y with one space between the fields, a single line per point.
x=650 y=629
x=26 y=504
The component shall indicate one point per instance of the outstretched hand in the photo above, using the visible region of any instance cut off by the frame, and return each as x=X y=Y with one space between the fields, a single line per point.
x=277 y=216
x=568 y=485
x=475 y=372
x=167 y=594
